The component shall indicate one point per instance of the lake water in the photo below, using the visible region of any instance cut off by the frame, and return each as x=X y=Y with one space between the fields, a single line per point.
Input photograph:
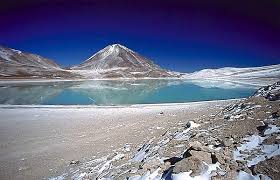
x=120 y=92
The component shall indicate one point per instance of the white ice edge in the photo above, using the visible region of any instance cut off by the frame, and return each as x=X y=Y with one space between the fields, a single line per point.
x=120 y=106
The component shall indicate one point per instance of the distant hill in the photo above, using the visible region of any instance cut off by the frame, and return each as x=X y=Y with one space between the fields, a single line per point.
x=18 y=64
x=251 y=74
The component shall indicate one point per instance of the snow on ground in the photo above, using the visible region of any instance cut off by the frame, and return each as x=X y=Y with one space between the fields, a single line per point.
x=253 y=150
x=245 y=176
x=204 y=176
x=5 y=55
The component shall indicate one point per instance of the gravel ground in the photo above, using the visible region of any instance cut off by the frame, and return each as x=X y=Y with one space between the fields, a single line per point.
x=239 y=141
x=39 y=142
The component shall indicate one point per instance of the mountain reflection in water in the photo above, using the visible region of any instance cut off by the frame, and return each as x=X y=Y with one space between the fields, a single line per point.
x=120 y=92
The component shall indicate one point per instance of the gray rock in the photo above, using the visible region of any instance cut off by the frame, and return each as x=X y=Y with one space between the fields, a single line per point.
x=202 y=156
x=74 y=162
x=190 y=164
x=227 y=142
x=151 y=165
x=197 y=146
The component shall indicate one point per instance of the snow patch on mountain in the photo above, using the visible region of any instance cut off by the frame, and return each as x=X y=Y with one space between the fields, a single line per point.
x=230 y=72
x=253 y=75
x=118 y=61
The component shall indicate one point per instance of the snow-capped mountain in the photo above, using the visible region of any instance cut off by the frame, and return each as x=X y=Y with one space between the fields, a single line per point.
x=17 y=64
x=116 y=61
x=265 y=74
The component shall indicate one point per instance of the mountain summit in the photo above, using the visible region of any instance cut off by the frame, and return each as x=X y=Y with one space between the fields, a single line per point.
x=119 y=61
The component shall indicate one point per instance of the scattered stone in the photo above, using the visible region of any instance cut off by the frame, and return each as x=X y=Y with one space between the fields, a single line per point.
x=218 y=177
x=262 y=129
x=233 y=166
x=234 y=136
x=221 y=158
x=214 y=158
x=202 y=156
x=275 y=115
x=166 y=165
x=111 y=156
x=227 y=117
x=272 y=140
x=74 y=162
x=270 y=167
x=151 y=165
x=187 y=125
x=273 y=97
x=227 y=142
x=241 y=162
x=196 y=145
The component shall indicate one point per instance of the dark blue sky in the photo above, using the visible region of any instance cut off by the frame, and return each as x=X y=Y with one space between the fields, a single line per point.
x=178 y=35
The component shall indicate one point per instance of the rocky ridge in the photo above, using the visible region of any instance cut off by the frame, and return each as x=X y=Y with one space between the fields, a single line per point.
x=17 y=64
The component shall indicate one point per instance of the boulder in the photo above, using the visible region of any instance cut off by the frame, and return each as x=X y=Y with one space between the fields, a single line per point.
x=202 y=156
x=193 y=164
x=197 y=146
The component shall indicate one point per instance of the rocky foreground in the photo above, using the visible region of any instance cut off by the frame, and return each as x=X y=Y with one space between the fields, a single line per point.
x=240 y=142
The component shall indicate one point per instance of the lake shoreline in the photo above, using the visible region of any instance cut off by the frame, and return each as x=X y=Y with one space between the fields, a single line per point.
x=236 y=141
x=40 y=142
x=10 y=106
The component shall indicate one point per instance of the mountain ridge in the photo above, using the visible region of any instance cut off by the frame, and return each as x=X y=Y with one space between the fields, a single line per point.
x=118 y=61
x=232 y=71
x=18 y=64
x=262 y=75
